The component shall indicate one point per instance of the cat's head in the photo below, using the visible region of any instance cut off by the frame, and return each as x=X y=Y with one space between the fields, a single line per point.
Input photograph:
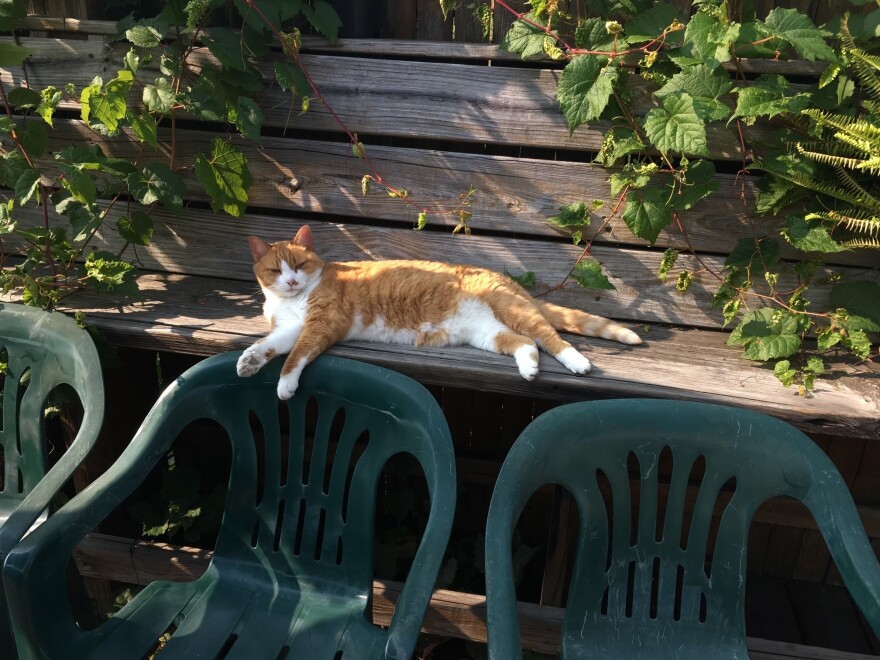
x=286 y=268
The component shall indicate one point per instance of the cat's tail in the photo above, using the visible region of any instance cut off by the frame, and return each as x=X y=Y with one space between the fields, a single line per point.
x=581 y=323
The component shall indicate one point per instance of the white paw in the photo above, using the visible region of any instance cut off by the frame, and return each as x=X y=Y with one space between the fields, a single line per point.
x=572 y=360
x=250 y=362
x=627 y=336
x=527 y=360
x=287 y=385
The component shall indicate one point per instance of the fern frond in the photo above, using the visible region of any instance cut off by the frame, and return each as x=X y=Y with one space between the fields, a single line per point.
x=862 y=196
x=855 y=127
x=830 y=159
x=871 y=165
x=857 y=222
x=861 y=243
x=866 y=67
x=816 y=186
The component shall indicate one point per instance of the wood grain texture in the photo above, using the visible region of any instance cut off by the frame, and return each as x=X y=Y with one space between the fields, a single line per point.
x=200 y=243
x=401 y=28
x=499 y=105
x=324 y=177
x=203 y=316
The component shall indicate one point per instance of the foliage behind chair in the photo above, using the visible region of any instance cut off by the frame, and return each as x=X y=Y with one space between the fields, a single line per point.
x=643 y=586
x=43 y=350
x=291 y=575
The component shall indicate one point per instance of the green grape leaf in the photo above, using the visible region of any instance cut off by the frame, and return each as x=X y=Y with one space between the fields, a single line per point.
x=797 y=29
x=828 y=338
x=144 y=127
x=26 y=186
x=706 y=86
x=766 y=334
x=159 y=98
x=584 y=89
x=646 y=213
x=447 y=6
x=290 y=76
x=50 y=98
x=708 y=40
x=226 y=178
x=699 y=182
x=861 y=300
x=12 y=166
x=572 y=215
x=83 y=221
x=750 y=252
x=589 y=275
x=226 y=45
x=108 y=105
x=591 y=34
x=23 y=97
x=12 y=55
x=80 y=185
x=35 y=139
x=525 y=39
x=809 y=236
x=157 y=183
x=137 y=229
x=109 y=273
x=247 y=117
x=677 y=127
x=857 y=341
x=648 y=25
x=323 y=18
x=768 y=96
x=144 y=36
x=784 y=373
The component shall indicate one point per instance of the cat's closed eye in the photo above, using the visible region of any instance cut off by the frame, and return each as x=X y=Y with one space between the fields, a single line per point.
x=298 y=266
x=275 y=271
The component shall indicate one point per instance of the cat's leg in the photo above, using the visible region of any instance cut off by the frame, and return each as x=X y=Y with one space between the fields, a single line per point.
x=280 y=340
x=316 y=337
x=526 y=319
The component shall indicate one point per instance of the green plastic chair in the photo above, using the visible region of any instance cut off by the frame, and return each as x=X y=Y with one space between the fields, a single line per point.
x=657 y=596
x=43 y=350
x=291 y=575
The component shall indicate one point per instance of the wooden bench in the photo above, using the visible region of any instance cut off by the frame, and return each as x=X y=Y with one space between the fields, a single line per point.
x=437 y=120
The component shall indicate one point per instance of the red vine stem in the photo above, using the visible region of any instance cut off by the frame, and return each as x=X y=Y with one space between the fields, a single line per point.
x=294 y=54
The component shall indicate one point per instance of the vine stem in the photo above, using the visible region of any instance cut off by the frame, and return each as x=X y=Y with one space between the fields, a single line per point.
x=44 y=195
x=358 y=148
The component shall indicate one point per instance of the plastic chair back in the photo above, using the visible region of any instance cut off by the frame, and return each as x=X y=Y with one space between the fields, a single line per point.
x=42 y=350
x=291 y=575
x=643 y=585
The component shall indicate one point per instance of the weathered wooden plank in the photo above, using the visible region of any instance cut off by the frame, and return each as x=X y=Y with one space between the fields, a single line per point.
x=324 y=177
x=506 y=106
x=200 y=243
x=450 y=613
x=400 y=43
x=203 y=316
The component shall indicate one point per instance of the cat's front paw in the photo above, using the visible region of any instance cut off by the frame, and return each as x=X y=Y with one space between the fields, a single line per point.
x=287 y=385
x=250 y=362
x=527 y=360
x=572 y=360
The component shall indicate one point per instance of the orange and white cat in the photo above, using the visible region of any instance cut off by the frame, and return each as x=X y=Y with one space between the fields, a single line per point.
x=312 y=304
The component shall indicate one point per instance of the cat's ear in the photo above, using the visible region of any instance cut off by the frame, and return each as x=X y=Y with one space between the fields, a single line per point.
x=303 y=238
x=259 y=247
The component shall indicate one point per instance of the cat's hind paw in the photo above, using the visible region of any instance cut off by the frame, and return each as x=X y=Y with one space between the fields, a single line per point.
x=287 y=386
x=250 y=362
x=527 y=360
x=574 y=361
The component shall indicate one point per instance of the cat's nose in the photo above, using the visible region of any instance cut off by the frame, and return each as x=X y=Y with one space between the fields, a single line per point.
x=291 y=284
